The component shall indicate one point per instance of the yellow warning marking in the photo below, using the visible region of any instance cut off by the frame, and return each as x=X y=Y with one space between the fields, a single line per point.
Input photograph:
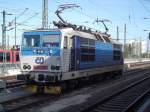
x=31 y=88
x=52 y=89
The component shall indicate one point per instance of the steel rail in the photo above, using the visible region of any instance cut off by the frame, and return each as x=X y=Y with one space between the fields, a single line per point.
x=121 y=100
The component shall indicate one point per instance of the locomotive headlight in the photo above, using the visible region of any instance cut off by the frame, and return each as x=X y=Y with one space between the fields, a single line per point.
x=29 y=67
x=24 y=67
x=52 y=67
x=55 y=67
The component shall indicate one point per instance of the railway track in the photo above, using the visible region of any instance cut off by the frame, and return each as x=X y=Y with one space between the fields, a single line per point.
x=31 y=102
x=14 y=83
x=123 y=100
x=20 y=103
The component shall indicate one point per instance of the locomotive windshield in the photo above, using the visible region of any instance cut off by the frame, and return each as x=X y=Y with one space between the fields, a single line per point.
x=51 y=40
x=31 y=41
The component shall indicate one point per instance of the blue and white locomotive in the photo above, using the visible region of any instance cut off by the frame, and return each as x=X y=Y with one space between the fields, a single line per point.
x=51 y=57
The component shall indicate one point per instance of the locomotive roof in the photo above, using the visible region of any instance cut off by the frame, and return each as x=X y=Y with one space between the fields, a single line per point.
x=92 y=35
x=42 y=30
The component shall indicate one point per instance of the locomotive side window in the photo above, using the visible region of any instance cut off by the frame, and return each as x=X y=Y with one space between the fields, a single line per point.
x=87 y=50
x=65 y=42
x=117 y=55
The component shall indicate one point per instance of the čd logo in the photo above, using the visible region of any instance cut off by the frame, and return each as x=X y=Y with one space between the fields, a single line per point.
x=39 y=60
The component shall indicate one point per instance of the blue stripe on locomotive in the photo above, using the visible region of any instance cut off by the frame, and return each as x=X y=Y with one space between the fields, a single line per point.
x=29 y=51
x=103 y=56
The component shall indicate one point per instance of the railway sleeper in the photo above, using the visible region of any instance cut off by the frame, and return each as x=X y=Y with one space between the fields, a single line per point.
x=115 y=103
x=120 y=100
x=113 y=106
x=102 y=108
x=96 y=110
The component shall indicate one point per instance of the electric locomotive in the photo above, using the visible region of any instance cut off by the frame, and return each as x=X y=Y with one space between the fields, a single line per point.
x=51 y=58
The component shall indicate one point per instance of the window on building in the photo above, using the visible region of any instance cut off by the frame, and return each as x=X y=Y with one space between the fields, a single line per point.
x=8 y=57
x=1 y=57
x=17 y=57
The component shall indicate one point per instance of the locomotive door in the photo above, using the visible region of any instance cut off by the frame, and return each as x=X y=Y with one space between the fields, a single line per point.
x=75 y=53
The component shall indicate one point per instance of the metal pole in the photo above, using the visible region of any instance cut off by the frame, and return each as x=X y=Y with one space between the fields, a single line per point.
x=4 y=40
x=45 y=14
x=148 y=45
x=15 y=31
x=140 y=50
x=125 y=40
x=117 y=33
x=8 y=42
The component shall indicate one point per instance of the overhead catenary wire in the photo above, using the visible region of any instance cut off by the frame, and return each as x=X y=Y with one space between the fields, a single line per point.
x=81 y=12
x=143 y=5
x=29 y=18
x=21 y=14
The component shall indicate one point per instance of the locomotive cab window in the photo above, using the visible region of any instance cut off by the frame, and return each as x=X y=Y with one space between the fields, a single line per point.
x=31 y=41
x=117 y=55
x=51 y=40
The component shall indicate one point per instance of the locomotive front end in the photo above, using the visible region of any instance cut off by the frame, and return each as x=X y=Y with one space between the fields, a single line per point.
x=40 y=57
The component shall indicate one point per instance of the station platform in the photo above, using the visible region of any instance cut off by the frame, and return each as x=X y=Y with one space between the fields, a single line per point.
x=136 y=60
x=135 y=63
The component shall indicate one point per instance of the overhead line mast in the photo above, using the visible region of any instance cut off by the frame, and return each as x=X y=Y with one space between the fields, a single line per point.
x=45 y=14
